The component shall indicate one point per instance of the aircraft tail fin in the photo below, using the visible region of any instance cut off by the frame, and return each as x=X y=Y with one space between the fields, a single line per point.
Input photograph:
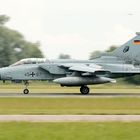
x=130 y=51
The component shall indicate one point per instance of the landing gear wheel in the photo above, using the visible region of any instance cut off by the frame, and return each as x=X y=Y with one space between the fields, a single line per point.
x=25 y=91
x=84 y=90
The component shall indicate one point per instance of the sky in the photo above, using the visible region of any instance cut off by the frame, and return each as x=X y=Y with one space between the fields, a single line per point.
x=74 y=27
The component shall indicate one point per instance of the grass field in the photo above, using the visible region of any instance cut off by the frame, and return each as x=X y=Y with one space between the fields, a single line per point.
x=69 y=131
x=70 y=105
x=72 y=130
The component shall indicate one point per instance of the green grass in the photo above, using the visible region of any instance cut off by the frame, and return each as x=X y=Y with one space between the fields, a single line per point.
x=70 y=105
x=69 y=131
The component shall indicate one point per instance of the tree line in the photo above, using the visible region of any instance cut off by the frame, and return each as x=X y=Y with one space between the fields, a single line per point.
x=13 y=46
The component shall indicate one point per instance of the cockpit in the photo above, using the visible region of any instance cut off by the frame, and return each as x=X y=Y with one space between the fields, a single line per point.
x=30 y=61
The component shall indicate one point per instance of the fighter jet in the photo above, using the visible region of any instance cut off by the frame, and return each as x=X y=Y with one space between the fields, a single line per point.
x=122 y=62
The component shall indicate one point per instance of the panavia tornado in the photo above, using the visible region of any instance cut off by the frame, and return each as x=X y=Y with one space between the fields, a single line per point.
x=122 y=62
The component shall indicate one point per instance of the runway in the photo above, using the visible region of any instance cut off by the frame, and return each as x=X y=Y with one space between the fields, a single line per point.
x=64 y=95
x=69 y=118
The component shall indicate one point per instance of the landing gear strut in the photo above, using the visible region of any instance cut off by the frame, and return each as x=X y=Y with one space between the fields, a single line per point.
x=26 y=90
x=84 y=90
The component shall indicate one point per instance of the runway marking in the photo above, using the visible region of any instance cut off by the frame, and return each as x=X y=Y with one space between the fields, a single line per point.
x=69 y=118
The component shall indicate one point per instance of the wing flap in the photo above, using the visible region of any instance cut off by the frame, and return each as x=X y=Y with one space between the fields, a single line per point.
x=87 y=69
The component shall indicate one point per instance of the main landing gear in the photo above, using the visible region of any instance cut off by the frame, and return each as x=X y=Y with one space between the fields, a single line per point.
x=84 y=90
x=26 y=90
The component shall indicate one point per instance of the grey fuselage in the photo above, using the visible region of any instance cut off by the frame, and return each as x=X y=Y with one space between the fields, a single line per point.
x=54 y=69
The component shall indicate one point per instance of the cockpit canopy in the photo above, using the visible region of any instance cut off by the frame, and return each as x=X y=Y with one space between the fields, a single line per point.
x=30 y=61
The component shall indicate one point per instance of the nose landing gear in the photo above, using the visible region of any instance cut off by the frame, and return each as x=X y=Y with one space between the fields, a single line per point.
x=26 y=90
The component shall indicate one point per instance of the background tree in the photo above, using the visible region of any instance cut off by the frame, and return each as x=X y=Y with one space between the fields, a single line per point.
x=133 y=80
x=64 y=56
x=95 y=54
x=3 y=19
x=112 y=48
x=13 y=46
